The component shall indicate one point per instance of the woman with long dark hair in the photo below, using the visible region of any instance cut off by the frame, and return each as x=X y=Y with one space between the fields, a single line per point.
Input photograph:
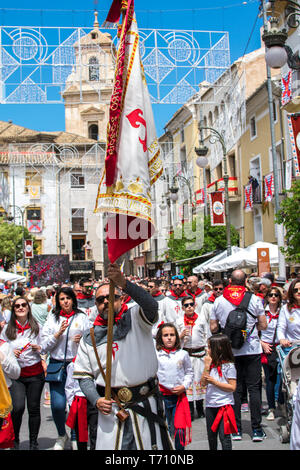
x=269 y=341
x=60 y=337
x=289 y=317
x=23 y=334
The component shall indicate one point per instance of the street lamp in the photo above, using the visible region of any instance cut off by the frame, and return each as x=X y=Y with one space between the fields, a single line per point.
x=278 y=53
x=10 y=218
x=202 y=151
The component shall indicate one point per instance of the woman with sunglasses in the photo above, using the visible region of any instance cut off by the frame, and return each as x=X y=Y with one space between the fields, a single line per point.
x=23 y=334
x=269 y=342
x=193 y=335
x=60 y=337
x=289 y=318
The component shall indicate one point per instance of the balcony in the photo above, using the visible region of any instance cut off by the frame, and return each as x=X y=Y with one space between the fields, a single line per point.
x=219 y=185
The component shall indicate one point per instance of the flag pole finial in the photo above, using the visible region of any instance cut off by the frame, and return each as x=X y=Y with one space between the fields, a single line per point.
x=96 y=22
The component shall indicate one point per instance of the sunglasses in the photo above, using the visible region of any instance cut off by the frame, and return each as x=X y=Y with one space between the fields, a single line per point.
x=23 y=305
x=101 y=298
x=190 y=304
x=273 y=295
x=180 y=276
x=296 y=291
x=218 y=288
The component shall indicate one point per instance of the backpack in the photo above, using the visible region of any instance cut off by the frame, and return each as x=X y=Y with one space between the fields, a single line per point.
x=236 y=323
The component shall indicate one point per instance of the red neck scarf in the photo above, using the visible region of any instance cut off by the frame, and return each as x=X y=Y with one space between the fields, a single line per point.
x=178 y=296
x=182 y=418
x=99 y=321
x=81 y=296
x=22 y=328
x=194 y=294
x=156 y=295
x=168 y=350
x=212 y=298
x=190 y=320
x=67 y=315
x=128 y=299
x=219 y=368
x=234 y=294
x=272 y=315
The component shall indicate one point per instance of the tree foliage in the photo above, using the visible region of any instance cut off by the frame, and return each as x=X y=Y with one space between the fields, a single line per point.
x=11 y=246
x=288 y=215
x=182 y=247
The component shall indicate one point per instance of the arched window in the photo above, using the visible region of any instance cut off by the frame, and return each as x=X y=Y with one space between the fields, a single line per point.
x=93 y=131
x=93 y=69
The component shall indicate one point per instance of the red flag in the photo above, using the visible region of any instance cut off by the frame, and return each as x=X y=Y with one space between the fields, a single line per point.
x=217 y=208
x=132 y=161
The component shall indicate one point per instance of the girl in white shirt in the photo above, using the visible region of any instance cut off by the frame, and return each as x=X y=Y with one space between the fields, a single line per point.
x=220 y=378
x=175 y=375
x=23 y=334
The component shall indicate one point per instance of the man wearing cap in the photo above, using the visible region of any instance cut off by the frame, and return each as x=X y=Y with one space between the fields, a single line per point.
x=133 y=373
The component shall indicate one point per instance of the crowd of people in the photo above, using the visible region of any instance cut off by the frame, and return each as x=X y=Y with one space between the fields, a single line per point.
x=173 y=360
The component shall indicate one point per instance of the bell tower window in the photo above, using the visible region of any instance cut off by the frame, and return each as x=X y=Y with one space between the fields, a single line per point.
x=93 y=69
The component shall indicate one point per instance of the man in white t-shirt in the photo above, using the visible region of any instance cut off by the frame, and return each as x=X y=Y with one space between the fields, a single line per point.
x=248 y=357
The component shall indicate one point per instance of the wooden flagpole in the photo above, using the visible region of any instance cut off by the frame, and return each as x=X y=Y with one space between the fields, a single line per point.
x=110 y=326
x=111 y=314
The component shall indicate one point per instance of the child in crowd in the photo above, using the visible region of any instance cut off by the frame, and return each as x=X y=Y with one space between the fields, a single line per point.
x=82 y=417
x=220 y=378
x=175 y=375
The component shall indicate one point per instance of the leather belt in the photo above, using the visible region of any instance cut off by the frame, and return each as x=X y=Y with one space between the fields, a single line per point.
x=131 y=395
x=193 y=351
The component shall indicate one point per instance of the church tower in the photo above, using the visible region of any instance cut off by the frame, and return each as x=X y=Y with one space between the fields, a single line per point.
x=89 y=86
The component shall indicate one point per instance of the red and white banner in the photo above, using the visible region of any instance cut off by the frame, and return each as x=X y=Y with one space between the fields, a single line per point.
x=286 y=88
x=132 y=161
x=294 y=131
x=248 y=197
x=34 y=226
x=269 y=187
x=28 y=248
x=217 y=208
x=200 y=197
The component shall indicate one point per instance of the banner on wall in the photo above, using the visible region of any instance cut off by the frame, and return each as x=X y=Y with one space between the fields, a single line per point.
x=248 y=196
x=28 y=248
x=217 y=208
x=286 y=88
x=294 y=131
x=269 y=187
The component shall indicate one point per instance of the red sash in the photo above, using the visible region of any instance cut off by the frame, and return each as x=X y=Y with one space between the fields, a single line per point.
x=78 y=413
x=178 y=296
x=30 y=371
x=182 y=420
x=234 y=294
x=226 y=412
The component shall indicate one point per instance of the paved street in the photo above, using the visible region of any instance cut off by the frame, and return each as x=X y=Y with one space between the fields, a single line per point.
x=48 y=434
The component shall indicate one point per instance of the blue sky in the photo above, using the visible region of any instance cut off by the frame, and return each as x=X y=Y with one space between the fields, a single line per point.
x=237 y=17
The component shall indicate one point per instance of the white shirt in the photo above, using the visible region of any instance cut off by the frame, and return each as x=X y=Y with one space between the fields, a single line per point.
x=220 y=311
x=268 y=335
x=56 y=347
x=289 y=324
x=10 y=365
x=28 y=356
x=174 y=369
x=198 y=338
x=72 y=387
x=171 y=309
x=134 y=360
x=215 y=397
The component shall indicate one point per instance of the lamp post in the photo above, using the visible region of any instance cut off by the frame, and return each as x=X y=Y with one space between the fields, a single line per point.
x=202 y=151
x=277 y=52
x=22 y=212
x=279 y=227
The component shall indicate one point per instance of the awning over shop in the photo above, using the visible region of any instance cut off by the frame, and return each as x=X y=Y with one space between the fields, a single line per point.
x=205 y=267
x=196 y=258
